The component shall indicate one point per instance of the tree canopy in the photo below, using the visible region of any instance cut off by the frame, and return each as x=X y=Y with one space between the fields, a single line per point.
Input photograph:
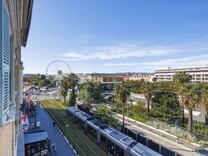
x=122 y=92
x=72 y=83
x=91 y=92
x=147 y=89
x=166 y=107
x=192 y=95
x=104 y=114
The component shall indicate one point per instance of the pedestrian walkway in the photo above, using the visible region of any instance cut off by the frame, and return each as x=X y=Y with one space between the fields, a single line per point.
x=62 y=147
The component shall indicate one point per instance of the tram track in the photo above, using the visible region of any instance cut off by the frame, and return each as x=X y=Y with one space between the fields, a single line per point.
x=60 y=123
x=59 y=116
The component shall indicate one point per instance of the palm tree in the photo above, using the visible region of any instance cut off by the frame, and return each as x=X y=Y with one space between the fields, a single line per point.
x=148 y=90
x=60 y=72
x=64 y=94
x=179 y=80
x=104 y=114
x=88 y=97
x=154 y=79
x=182 y=77
x=122 y=94
x=204 y=100
x=191 y=95
x=64 y=87
x=72 y=83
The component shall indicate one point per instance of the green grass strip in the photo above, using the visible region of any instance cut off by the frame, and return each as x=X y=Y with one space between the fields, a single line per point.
x=57 y=112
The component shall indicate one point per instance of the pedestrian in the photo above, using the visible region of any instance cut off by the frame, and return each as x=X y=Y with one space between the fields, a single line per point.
x=54 y=123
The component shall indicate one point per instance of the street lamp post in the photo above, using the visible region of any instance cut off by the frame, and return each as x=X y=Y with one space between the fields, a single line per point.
x=176 y=128
x=127 y=117
x=127 y=112
x=123 y=114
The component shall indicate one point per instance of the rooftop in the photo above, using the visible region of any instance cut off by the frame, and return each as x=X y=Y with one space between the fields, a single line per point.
x=143 y=150
x=83 y=115
x=35 y=137
x=73 y=109
x=119 y=136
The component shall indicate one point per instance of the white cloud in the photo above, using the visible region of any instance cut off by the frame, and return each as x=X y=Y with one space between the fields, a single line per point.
x=118 y=51
x=127 y=50
x=186 y=61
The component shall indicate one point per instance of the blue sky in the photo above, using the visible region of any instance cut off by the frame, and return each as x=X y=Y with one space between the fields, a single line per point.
x=116 y=35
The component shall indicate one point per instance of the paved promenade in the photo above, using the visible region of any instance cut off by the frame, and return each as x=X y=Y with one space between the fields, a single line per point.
x=62 y=147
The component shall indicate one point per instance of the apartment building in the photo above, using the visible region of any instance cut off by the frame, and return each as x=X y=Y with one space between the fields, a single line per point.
x=199 y=74
x=146 y=77
x=15 y=16
x=115 y=78
x=109 y=78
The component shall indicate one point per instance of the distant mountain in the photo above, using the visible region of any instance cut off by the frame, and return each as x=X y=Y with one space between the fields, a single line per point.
x=100 y=74
x=120 y=74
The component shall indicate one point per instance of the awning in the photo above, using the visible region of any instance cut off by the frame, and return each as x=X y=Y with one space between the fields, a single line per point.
x=20 y=16
x=35 y=137
x=26 y=16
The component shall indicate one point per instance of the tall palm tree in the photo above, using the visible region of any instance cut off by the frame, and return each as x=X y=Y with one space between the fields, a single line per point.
x=182 y=77
x=154 y=79
x=72 y=83
x=64 y=87
x=148 y=90
x=191 y=93
x=122 y=94
x=60 y=72
x=63 y=93
x=179 y=80
x=204 y=100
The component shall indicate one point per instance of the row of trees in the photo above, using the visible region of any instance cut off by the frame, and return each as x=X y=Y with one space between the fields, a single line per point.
x=167 y=93
x=38 y=80
x=89 y=92
x=166 y=99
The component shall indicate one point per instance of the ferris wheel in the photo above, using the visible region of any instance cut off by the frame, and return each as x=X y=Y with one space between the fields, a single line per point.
x=58 y=66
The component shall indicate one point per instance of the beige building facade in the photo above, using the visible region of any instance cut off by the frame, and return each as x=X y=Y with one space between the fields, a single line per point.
x=6 y=136
x=145 y=77
x=199 y=74
x=17 y=15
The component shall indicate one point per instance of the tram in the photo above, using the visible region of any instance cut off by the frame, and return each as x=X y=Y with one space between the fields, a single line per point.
x=112 y=141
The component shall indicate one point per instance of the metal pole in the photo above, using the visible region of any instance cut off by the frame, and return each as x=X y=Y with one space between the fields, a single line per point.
x=183 y=115
x=176 y=127
x=123 y=115
x=127 y=117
